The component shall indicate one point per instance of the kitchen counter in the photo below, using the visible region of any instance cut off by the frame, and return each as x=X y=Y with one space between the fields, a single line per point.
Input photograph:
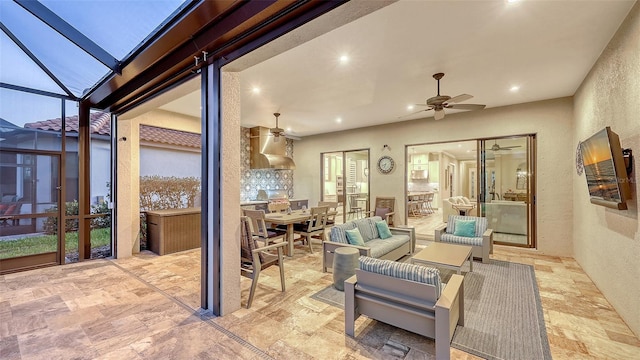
x=260 y=202
x=253 y=202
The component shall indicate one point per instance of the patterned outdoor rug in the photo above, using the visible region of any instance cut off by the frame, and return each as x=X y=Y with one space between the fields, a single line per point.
x=503 y=313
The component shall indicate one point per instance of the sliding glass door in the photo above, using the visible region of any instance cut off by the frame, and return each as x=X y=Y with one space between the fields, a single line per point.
x=345 y=176
x=507 y=188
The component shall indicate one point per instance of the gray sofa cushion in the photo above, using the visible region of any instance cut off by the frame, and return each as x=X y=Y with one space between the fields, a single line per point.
x=418 y=273
x=462 y=240
x=368 y=228
x=481 y=224
x=338 y=232
x=380 y=247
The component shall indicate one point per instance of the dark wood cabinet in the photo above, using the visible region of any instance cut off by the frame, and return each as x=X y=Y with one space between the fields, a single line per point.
x=173 y=230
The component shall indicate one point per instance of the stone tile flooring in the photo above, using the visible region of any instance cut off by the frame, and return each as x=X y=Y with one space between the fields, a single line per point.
x=146 y=307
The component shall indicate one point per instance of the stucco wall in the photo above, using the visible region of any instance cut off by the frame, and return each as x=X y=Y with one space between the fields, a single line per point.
x=607 y=241
x=170 y=162
x=230 y=188
x=548 y=119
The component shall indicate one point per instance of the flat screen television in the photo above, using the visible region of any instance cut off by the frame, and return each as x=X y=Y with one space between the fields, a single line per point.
x=605 y=170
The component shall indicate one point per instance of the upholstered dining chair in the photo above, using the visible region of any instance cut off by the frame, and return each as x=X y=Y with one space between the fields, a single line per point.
x=314 y=226
x=254 y=259
x=261 y=231
x=385 y=208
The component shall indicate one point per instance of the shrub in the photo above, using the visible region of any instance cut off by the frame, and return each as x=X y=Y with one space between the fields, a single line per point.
x=158 y=193
x=51 y=223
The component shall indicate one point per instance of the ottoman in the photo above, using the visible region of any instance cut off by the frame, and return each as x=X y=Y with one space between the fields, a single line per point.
x=345 y=262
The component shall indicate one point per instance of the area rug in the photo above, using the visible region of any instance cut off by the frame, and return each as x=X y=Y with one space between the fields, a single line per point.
x=503 y=313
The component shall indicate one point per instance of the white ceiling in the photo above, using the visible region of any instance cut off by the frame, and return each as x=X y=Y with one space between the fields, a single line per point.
x=483 y=47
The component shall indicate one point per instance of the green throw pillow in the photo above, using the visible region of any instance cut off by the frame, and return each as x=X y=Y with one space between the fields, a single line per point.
x=354 y=237
x=466 y=228
x=383 y=229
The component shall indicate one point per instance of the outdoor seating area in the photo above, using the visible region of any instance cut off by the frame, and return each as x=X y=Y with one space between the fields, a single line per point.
x=319 y=180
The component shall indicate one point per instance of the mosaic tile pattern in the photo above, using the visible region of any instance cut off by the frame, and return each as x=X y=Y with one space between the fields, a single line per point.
x=253 y=180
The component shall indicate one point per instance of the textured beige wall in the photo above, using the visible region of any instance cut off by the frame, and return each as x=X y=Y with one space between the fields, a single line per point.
x=548 y=119
x=607 y=241
x=230 y=183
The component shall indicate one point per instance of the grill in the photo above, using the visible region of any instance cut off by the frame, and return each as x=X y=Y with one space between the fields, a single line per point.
x=278 y=200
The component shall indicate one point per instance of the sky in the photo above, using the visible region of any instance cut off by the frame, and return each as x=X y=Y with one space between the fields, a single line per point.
x=129 y=23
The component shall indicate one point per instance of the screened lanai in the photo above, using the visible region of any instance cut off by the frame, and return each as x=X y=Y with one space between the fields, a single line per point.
x=54 y=54
x=62 y=64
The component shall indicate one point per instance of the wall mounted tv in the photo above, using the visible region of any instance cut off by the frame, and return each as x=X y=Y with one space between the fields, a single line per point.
x=605 y=170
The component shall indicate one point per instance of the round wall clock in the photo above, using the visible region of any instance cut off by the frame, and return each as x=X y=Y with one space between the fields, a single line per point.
x=579 y=164
x=386 y=164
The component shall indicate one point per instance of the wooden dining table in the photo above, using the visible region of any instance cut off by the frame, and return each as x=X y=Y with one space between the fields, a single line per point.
x=296 y=216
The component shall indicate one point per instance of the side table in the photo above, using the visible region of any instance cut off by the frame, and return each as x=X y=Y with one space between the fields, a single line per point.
x=345 y=262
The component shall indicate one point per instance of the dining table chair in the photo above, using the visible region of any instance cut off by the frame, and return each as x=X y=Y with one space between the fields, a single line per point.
x=254 y=259
x=314 y=226
x=260 y=229
x=333 y=208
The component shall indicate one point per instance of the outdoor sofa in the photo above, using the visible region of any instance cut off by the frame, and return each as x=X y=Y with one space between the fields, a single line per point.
x=401 y=243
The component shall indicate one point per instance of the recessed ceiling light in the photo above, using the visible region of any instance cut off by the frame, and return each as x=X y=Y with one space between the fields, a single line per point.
x=255 y=90
x=512 y=1
x=410 y=107
x=288 y=129
x=514 y=88
x=344 y=59
x=338 y=120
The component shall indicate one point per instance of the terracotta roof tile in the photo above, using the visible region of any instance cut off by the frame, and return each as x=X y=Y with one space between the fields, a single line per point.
x=168 y=136
x=101 y=124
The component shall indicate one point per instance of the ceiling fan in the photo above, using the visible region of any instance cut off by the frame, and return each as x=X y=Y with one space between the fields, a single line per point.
x=441 y=102
x=276 y=131
x=496 y=147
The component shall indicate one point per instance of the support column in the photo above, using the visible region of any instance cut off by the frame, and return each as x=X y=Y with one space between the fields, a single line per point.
x=128 y=201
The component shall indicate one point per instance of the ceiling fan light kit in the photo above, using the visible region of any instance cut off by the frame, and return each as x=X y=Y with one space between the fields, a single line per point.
x=440 y=102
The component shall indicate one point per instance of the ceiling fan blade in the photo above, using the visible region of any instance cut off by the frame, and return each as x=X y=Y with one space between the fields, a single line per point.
x=459 y=98
x=439 y=115
x=466 y=106
x=413 y=113
x=422 y=105
x=510 y=147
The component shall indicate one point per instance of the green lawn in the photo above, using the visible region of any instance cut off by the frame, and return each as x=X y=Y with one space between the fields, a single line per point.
x=48 y=243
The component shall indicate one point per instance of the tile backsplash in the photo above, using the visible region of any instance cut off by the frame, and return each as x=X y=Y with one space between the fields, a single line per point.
x=253 y=180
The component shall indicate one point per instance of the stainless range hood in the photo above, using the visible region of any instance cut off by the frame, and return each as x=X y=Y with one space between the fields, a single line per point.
x=267 y=153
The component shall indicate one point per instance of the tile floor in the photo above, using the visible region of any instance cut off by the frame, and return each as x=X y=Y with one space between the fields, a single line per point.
x=146 y=307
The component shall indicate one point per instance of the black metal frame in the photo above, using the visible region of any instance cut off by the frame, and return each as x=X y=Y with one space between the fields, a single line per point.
x=72 y=34
x=35 y=59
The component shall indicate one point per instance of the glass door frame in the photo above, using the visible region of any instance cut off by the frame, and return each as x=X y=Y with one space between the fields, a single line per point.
x=43 y=259
x=484 y=194
x=343 y=185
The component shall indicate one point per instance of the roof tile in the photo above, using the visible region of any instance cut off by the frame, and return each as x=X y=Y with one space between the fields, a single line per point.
x=101 y=124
